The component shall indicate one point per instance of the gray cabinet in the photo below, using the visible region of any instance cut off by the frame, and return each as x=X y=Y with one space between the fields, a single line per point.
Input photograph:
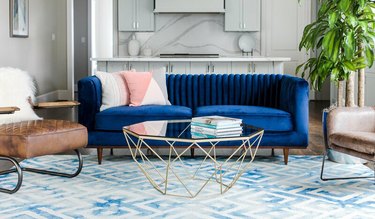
x=136 y=15
x=199 y=68
x=138 y=66
x=178 y=67
x=220 y=67
x=241 y=67
x=262 y=67
x=242 y=15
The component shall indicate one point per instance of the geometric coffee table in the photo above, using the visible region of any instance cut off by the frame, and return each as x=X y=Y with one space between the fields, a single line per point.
x=175 y=174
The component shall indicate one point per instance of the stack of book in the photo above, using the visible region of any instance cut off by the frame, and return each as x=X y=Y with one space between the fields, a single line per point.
x=215 y=127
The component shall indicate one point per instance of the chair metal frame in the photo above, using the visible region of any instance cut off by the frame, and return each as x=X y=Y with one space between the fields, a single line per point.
x=341 y=178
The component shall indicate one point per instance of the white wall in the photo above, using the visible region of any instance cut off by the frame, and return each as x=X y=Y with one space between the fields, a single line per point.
x=38 y=54
x=102 y=28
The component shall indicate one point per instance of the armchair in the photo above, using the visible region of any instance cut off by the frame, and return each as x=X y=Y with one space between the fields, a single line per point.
x=24 y=135
x=351 y=131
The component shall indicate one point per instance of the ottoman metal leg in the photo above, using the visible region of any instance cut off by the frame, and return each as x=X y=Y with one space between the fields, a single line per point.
x=53 y=173
x=17 y=169
x=20 y=170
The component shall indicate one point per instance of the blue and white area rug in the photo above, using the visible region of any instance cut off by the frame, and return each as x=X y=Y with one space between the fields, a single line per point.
x=117 y=189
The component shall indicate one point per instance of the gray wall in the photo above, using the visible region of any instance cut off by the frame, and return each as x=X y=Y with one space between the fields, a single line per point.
x=80 y=39
x=39 y=55
x=44 y=58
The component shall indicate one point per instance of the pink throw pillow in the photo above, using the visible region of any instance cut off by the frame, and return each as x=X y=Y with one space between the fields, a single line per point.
x=144 y=89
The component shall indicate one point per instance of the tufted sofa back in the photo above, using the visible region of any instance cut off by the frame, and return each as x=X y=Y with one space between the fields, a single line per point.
x=224 y=89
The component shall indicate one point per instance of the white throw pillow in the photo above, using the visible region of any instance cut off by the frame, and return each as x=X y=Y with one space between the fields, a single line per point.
x=16 y=86
x=115 y=91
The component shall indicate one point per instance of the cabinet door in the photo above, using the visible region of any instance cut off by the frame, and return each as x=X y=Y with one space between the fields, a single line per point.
x=241 y=67
x=233 y=15
x=262 y=67
x=157 y=65
x=145 y=15
x=251 y=15
x=117 y=66
x=138 y=66
x=178 y=67
x=220 y=68
x=126 y=15
x=199 y=68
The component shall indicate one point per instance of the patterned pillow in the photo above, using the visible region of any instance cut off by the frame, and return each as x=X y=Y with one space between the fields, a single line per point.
x=147 y=88
x=115 y=91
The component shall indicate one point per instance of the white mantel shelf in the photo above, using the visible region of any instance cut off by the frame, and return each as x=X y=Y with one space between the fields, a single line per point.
x=219 y=59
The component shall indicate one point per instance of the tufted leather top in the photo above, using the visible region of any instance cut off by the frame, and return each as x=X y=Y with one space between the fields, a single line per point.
x=41 y=137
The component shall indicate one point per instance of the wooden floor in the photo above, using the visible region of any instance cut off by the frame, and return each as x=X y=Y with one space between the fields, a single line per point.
x=315 y=127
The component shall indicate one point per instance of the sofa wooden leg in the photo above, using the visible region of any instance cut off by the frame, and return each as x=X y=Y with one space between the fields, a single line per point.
x=192 y=152
x=100 y=155
x=286 y=155
x=111 y=152
x=273 y=152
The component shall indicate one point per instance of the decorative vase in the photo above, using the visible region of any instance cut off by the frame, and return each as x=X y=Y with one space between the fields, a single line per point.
x=147 y=51
x=134 y=47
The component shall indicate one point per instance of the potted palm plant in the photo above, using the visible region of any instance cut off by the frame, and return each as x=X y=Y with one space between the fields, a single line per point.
x=342 y=38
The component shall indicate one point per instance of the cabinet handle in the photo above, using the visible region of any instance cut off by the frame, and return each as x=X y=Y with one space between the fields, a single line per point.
x=133 y=25
x=131 y=67
x=172 y=68
x=254 y=68
x=167 y=68
x=137 y=25
x=244 y=25
x=208 y=68
x=213 y=68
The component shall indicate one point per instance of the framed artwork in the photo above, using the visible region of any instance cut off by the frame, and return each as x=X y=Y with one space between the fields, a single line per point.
x=19 y=18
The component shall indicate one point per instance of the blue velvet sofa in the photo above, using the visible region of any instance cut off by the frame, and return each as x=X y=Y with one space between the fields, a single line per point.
x=276 y=103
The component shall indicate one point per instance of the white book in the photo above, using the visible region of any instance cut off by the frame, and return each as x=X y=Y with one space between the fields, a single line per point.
x=216 y=120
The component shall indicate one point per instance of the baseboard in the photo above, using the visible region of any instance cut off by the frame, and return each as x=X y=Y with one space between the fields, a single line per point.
x=54 y=95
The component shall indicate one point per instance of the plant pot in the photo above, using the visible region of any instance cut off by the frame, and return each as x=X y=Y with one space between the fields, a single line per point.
x=334 y=155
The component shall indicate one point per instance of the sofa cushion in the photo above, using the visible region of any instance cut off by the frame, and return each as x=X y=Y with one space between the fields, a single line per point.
x=115 y=118
x=363 y=142
x=270 y=119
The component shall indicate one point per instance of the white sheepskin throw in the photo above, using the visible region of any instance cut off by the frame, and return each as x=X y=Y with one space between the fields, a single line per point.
x=16 y=86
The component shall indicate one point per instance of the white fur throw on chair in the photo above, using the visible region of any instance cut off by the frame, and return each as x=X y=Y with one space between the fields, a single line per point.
x=16 y=86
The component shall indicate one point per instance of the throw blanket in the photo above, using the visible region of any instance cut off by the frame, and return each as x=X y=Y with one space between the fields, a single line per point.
x=16 y=86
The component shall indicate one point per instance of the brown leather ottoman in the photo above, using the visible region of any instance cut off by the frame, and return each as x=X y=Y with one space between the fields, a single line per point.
x=40 y=137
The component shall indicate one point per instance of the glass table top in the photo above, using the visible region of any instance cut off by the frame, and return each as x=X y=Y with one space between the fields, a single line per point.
x=181 y=129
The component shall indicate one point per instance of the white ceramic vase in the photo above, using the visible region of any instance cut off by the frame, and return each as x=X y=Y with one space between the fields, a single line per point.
x=134 y=47
x=147 y=51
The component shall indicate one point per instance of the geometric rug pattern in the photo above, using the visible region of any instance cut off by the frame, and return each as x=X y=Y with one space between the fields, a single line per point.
x=117 y=189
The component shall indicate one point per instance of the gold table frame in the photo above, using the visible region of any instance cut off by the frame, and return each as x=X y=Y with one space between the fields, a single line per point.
x=249 y=142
